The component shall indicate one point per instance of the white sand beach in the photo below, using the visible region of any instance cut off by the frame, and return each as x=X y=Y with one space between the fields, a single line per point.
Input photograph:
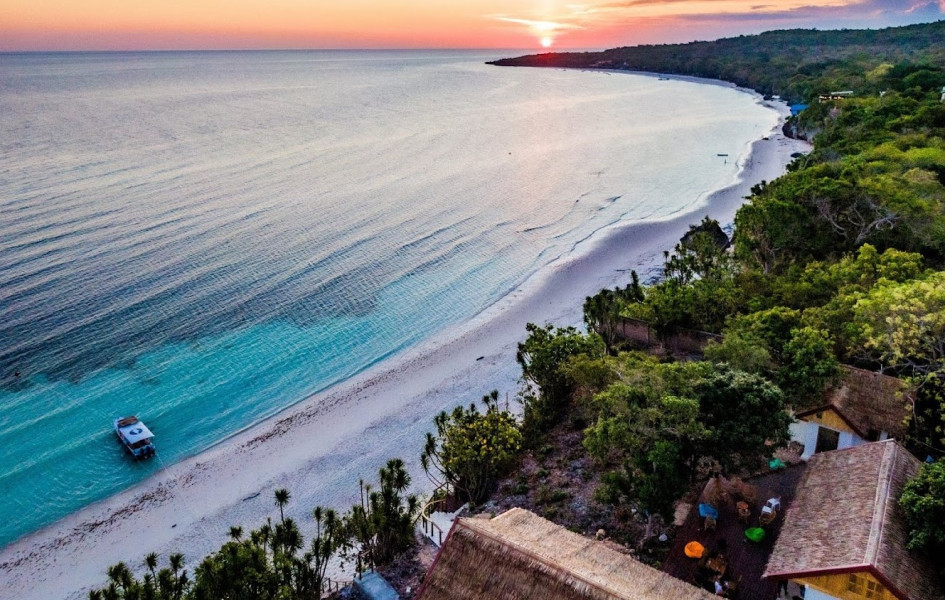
x=320 y=448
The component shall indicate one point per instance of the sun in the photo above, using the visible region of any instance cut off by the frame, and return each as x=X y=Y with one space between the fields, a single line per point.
x=546 y=42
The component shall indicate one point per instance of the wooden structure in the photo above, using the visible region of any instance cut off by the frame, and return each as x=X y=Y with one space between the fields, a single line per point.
x=841 y=95
x=746 y=560
x=743 y=511
x=864 y=407
x=520 y=555
x=844 y=536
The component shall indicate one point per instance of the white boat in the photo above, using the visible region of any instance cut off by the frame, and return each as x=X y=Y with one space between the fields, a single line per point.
x=135 y=436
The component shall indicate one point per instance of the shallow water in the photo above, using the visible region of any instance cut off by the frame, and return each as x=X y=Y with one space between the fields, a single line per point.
x=203 y=239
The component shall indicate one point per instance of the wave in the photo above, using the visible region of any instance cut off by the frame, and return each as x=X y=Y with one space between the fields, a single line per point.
x=208 y=238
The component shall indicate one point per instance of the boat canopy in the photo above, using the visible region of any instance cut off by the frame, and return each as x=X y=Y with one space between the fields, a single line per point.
x=135 y=432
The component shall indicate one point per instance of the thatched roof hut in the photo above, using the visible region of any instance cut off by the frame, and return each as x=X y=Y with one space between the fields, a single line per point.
x=845 y=525
x=519 y=555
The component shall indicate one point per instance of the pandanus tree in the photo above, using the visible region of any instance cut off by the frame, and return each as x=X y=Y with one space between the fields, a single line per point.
x=310 y=569
x=265 y=565
x=382 y=525
x=168 y=583
x=282 y=499
x=470 y=450
x=602 y=311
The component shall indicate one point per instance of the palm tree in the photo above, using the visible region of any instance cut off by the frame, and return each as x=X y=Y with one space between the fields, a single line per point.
x=282 y=498
x=236 y=533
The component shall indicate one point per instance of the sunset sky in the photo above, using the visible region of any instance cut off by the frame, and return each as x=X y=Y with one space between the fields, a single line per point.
x=527 y=24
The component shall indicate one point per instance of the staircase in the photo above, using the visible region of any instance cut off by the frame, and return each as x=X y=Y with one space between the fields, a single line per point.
x=435 y=520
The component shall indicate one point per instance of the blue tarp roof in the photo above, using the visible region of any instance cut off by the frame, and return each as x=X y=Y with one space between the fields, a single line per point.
x=375 y=587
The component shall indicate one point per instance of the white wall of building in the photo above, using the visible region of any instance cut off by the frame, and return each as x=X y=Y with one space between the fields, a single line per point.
x=812 y=594
x=805 y=433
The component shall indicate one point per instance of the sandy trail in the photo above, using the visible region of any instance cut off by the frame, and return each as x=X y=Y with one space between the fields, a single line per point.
x=319 y=448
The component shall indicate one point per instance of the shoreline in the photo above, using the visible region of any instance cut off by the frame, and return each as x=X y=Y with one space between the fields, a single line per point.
x=318 y=448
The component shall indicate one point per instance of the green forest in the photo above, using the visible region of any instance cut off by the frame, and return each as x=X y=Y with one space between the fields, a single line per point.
x=839 y=262
x=797 y=64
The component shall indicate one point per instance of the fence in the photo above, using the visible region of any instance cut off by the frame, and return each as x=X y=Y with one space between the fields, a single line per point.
x=442 y=499
x=682 y=341
x=330 y=586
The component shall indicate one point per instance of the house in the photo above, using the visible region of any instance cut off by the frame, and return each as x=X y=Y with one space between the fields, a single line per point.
x=842 y=95
x=844 y=536
x=864 y=407
x=521 y=555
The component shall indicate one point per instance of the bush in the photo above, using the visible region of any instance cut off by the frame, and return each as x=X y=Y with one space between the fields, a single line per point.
x=923 y=501
x=471 y=450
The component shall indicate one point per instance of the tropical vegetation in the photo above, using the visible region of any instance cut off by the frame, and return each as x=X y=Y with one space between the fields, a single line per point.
x=839 y=262
x=470 y=450
x=923 y=501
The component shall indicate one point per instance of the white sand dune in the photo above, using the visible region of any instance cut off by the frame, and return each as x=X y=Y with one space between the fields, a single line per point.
x=319 y=448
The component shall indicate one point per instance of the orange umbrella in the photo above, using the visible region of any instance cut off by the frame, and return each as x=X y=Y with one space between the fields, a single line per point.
x=694 y=550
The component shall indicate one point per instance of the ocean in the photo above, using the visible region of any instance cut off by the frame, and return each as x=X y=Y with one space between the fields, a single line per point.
x=206 y=238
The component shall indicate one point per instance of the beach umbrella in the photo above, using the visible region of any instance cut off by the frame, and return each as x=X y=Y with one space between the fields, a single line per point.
x=694 y=549
x=707 y=510
x=755 y=534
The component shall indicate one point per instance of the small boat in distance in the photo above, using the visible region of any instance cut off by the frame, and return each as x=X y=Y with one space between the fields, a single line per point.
x=135 y=436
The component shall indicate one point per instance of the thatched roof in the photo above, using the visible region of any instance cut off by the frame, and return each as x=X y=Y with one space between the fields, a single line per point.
x=846 y=518
x=869 y=402
x=520 y=556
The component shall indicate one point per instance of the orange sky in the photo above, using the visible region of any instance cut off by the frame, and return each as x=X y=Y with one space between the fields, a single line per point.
x=195 y=24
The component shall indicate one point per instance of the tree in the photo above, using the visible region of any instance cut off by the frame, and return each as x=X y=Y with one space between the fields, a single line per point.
x=542 y=357
x=927 y=421
x=263 y=566
x=653 y=445
x=700 y=254
x=240 y=569
x=603 y=311
x=382 y=525
x=809 y=366
x=902 y=326
x=648 y=432
x=923 y=501
x=471 y=450
x=329 y=539
x=266 y=565
x=661 y=477
x=169 y=583
x=742 y=351
x=820 y=281
x=698 y=290
x=282 y=498
x=771 y=327
x=746 y=417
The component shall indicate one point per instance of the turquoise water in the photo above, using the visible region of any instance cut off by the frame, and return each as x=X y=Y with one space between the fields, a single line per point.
x=203 y=239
